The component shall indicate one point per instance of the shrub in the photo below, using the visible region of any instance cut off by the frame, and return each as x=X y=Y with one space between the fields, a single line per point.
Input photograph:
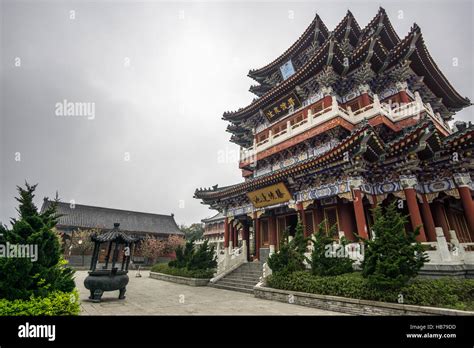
x=448 y=292
x=203 y=258
x=444 y=292
x=21 y=278
x=290 y=258
x=190 y=259
x=394 y=256
x=56 y=303
x=182 y=272
x=183 y=255
x=323 y=262
x=350 y=285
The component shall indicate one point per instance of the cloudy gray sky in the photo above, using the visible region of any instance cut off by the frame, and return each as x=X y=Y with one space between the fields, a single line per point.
x=160 y=75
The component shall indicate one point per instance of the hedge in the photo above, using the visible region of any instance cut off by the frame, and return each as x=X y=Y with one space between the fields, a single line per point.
x=56 y=303
x=443 y=292
x=182 y=272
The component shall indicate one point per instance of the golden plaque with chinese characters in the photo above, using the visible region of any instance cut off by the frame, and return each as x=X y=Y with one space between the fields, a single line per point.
x=282 y=107
x=269 y=195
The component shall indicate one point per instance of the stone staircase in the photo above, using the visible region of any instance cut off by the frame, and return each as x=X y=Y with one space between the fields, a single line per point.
x=242 y=279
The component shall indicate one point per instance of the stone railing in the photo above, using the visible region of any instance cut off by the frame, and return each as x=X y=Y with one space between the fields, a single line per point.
x=233 y=258
x=453 y=251
x=395 y=114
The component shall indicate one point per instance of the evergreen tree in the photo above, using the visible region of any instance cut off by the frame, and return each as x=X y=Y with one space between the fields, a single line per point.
x=22 y=277
x=394 y=256
x=204 y=258
x=183 y=255
x=193 y=232
x=290 y=258
x=188 y=257
x=325 y=261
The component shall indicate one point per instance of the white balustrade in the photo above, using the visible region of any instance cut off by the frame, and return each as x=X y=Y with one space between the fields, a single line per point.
x=396 y=114
x=233 y=258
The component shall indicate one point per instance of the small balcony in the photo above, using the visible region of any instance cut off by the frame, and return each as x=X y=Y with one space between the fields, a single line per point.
x=376 y=108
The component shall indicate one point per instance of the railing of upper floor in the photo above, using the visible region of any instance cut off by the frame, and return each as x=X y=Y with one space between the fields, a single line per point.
x=395 y=114
x=209 y=240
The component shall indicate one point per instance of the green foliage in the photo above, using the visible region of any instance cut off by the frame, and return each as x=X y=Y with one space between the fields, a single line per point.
x=183 y=255
x=290 y=258
x=394 y=256
x=189 y=258
x=193 y=231
x=350 y=285
x=444 y=292
x=203 y=258
x=182 y=272
x=21 y=278
x=327 y=260
x=56 y=303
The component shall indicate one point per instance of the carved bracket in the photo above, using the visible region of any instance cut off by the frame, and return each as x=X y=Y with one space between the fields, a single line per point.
x=462 y=179
x=408 y=181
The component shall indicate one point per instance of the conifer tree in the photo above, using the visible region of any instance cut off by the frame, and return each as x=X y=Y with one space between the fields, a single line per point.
x=22 y=277
x=325 y=260
x=290 y=258
x=394 y=256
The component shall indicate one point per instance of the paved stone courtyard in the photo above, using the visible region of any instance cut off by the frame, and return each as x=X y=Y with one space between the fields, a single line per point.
x=146 y=296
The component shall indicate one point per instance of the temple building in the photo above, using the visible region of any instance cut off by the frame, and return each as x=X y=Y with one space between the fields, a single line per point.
x=345 y=120
x=74 y=217
x=213 y=231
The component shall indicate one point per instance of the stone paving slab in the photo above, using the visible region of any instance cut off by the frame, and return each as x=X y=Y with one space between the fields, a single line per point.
x=147 y=296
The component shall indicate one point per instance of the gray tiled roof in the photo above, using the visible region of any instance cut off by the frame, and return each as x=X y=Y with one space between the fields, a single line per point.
x=85 y=216
x=217 y=217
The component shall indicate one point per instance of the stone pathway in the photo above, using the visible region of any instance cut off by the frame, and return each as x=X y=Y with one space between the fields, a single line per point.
x=146 y=296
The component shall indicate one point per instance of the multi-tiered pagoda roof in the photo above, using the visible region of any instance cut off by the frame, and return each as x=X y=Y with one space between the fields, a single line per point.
x=345 y=57
x=341 y=123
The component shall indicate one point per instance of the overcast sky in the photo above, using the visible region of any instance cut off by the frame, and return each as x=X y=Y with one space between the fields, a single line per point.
x=160 y=75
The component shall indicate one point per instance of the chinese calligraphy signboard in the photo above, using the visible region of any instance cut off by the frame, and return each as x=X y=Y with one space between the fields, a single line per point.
x=269 y=195
x=282 y=107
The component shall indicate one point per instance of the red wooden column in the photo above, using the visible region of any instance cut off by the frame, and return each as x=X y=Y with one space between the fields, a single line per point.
x=231 y=233
x=317 y=216
x=468 y=205
x=246 y=237
x=302 y=218
x=428 y=220
x=272 y=231
x=359 y=214
x=408 y=184
x=373 y=206
x=346 y=219
x=236 y=236
x=463 y=181
x=257 y=235
x=226 y=232
x=374 y=202
x=440 y=218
